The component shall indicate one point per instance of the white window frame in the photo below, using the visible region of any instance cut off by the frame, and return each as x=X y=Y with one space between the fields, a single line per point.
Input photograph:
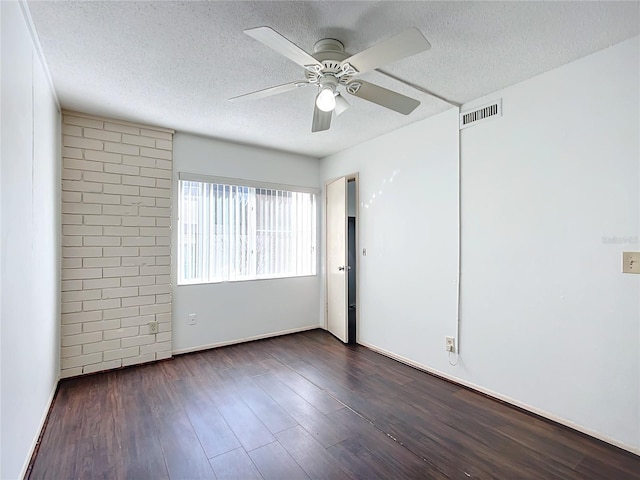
x=244 y=183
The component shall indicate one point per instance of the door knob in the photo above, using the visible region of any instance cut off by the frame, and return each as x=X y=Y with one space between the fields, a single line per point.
x=344 y=267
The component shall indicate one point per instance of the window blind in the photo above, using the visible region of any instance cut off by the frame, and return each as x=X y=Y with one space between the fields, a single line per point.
x=238 y=232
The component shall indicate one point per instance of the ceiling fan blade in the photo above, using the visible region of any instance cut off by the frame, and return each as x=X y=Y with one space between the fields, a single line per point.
x=341 y=104
x=267 y=92
x=381 y=96
x=321 y=120
x=395 y=48
x=280 y=44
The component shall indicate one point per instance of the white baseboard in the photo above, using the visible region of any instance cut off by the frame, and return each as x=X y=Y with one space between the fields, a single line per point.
x=504 y=398
x=243 y=340
x=34 y=443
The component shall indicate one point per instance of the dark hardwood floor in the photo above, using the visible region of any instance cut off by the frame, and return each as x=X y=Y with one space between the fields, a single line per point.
x=302 y=406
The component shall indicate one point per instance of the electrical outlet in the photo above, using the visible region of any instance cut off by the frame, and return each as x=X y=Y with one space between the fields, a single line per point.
x=450 y=344
x=192 y=319
x=153 y=327
x=630 y=262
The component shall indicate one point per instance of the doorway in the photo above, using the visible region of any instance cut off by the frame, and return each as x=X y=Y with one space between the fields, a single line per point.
x=342 y=258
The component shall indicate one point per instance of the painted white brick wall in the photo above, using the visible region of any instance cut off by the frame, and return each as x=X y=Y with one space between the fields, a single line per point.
x=116 y=253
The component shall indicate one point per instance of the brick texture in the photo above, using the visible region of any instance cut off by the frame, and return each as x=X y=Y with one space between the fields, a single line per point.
x=116 y=190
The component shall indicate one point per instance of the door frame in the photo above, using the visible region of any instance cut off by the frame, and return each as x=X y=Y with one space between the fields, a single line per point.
x=325 y=301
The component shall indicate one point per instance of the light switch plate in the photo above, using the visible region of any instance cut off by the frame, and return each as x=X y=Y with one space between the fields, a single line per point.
x=630 y=262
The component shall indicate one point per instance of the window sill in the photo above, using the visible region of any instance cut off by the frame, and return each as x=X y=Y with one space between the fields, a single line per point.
x=261 y=279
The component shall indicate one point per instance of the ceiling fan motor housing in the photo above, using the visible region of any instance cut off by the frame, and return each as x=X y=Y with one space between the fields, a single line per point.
x=330 y=53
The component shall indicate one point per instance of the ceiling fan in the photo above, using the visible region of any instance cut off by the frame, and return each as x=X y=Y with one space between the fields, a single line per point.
x=330 y=68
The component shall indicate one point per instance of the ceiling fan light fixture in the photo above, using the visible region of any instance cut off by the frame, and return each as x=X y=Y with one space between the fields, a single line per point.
x=326 y=99
x=341 y=104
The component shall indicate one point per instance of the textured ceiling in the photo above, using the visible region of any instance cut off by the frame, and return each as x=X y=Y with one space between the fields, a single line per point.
x=176 y=64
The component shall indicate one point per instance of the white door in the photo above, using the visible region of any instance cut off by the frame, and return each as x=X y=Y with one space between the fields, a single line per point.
x=337 y=269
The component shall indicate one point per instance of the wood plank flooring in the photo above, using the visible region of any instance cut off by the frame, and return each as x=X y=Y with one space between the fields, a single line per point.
x=302 y=406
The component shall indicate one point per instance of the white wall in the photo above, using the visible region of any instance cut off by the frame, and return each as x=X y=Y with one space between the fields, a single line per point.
x=1 y=251
x=550 y=199
x=235 y=311
x=29 y=282
x=407 y=219
x=554 y=179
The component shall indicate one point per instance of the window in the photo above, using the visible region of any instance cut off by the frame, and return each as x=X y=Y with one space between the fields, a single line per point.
x=235 y=230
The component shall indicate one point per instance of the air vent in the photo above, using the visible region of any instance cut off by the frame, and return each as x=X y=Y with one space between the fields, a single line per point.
x=473 y=117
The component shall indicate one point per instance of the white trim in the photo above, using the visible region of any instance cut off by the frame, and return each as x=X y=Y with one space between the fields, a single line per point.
x=252 y=279
x=456 y=341
x=45 y=415
x=26 y=13
x=358 y=261
x=505 y=398
x=243 y=182
x=355 y=176
x=244 y=340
